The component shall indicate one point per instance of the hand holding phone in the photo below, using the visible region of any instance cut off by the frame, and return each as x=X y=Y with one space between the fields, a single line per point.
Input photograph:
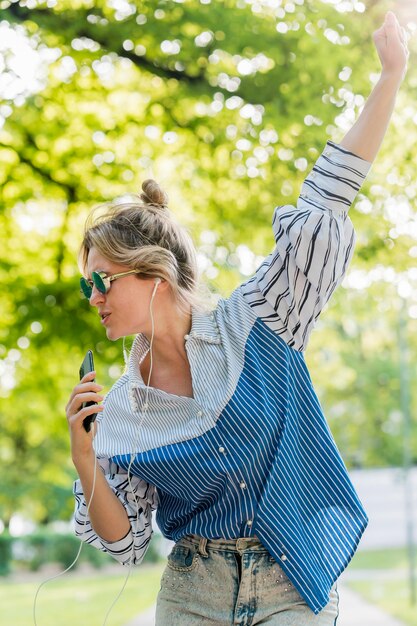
x=88 y=366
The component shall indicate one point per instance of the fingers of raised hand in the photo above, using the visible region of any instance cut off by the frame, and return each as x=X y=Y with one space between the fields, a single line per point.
x=396 y=30
x=404 y=39
x=380 y=35
x=393 y=28
x=391 y=44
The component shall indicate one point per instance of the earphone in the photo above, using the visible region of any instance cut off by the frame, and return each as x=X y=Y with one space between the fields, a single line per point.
x=157 y=282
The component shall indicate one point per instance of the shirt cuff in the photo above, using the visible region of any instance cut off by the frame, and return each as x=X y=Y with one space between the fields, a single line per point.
x=351 y=158
x=335 y=179
x=119 y=547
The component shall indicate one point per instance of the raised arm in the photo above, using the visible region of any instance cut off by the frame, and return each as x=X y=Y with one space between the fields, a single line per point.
x=314 y=245
x=365 y=137
x=315 y=239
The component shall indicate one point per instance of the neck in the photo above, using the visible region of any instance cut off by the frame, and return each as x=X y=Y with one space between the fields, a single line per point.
x=168 y=343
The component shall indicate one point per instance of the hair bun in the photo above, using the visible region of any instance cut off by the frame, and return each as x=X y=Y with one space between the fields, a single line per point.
x=153 y=194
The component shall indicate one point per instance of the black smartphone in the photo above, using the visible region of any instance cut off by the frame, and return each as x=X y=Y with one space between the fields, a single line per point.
x=88 y=366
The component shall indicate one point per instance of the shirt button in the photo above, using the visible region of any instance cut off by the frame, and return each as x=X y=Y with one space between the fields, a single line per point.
x=283 y=557
x=186 y=337
x=249 y=523
x=199 y=413
x=242 y=484
x=222 y=450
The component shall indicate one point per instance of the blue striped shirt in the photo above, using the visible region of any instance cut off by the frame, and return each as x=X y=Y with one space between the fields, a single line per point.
x=250 y=453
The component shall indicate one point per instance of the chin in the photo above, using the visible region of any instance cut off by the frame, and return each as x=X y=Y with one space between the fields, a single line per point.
x=114 y=335
x=111 y=335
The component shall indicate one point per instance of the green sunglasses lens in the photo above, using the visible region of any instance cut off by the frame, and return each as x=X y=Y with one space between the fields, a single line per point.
x=99 y=282
x=85 y=288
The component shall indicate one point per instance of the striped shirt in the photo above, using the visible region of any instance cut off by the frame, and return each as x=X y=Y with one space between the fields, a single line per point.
x=250 y=453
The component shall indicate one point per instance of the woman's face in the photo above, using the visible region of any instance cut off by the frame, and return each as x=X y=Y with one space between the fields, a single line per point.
x=124 y=309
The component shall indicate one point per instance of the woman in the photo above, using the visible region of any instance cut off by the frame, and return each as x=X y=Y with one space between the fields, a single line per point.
x=215 y=423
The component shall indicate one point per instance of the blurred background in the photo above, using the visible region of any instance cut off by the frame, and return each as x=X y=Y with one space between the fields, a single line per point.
x=227 y=104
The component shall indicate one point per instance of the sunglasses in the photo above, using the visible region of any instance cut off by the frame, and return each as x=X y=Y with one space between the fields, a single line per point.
x=101 y=282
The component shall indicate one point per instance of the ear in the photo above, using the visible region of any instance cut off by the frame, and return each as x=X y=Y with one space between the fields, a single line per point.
x=160 y=284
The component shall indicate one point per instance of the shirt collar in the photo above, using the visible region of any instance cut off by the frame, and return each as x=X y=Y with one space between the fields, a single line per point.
x=203 y=328
x=140 y=349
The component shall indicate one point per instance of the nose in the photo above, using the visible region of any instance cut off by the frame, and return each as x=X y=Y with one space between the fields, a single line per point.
x=96 y=297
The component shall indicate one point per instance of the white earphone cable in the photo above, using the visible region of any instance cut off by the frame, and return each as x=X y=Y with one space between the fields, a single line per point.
x=144 y=408
x=44 y=582
x=132 y=457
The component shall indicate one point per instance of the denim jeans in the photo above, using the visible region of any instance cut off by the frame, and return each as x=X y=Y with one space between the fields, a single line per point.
x=232 y=583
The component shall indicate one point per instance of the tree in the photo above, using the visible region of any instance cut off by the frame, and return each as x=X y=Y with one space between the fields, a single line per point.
x=228 y=104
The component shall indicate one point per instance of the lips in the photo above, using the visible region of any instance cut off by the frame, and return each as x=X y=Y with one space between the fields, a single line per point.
x=104 y=317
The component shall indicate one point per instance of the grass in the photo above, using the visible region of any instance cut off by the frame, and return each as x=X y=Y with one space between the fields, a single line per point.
x=387 y=585
x=80 y=598
x=390 y=595
x=387 y=559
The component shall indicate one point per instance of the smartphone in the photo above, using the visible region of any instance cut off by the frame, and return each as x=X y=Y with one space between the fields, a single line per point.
x=88 y=366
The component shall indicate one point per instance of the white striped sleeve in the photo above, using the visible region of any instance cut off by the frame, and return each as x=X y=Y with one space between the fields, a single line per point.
x=139 y=505
x=314 y=244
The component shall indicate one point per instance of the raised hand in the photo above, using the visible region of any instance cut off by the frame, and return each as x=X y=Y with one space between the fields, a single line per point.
x=391 y=44
x=365 y=137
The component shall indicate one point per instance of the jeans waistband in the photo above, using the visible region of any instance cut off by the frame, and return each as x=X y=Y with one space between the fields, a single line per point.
x=232 y=545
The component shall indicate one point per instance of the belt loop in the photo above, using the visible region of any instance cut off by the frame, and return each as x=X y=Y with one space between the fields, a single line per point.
x=202 y=547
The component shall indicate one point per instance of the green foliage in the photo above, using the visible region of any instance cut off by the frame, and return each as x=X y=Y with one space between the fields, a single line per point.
x=35 y=550
x=46 y=546
x=228 y=104
x=5 y=554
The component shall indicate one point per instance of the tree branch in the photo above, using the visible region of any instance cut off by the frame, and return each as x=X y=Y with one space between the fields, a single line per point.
x=70 y=192
x=47 y=19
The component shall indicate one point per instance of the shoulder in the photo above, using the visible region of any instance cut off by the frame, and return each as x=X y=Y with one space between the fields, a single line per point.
x=237 y=319
x=234 y=313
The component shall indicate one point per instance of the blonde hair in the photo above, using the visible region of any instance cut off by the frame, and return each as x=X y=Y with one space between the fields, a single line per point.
x=143 y=235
